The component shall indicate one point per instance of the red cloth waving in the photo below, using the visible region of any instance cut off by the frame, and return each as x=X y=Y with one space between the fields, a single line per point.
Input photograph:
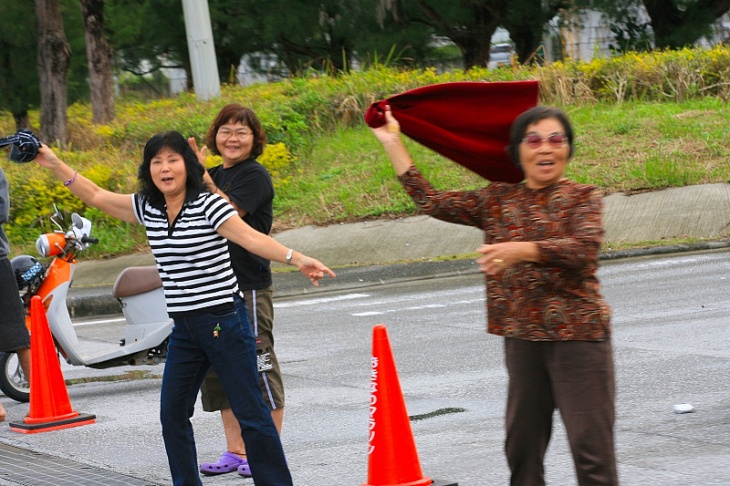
x=467 y=122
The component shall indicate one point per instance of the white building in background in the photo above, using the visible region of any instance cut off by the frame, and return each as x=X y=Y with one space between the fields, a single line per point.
x=259 y=69
x=579 y=36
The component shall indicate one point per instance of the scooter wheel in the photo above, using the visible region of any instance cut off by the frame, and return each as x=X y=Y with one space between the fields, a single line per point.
x=13 y=382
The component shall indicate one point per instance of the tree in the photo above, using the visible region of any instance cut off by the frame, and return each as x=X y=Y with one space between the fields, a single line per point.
x=525 y=20
x=469 y=24
x=394 y=35
x=299 y=33
x=327 y=43
x=231 y=22
x=678 y=23
x=53 y=57
x=330 y=35
x=148 y=36
x=99 y=55
x=18 y=71
x=672 y=24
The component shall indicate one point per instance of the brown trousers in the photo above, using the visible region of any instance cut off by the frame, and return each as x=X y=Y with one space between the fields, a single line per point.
x=577 y=378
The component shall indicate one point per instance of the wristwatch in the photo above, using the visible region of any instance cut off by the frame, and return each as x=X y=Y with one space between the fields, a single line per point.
x=289 y=254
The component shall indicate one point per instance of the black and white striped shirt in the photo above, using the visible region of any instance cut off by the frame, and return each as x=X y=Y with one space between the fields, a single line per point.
x=192 y=258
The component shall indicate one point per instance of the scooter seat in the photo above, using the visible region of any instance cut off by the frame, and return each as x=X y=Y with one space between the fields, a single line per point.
x=136 y=280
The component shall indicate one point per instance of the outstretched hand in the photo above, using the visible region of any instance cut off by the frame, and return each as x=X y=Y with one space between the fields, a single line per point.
x=314 y=269
x=46 y=157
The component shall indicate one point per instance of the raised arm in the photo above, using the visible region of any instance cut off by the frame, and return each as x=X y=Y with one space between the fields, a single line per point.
x=389 y=136
x=208 y=180
x=118 y=206
x=240 y=233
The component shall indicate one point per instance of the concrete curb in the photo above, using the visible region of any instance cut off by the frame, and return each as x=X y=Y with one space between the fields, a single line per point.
x=663 y=250
x=99 y=301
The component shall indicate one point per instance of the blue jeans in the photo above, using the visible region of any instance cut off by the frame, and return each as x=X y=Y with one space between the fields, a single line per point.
x=192 y=350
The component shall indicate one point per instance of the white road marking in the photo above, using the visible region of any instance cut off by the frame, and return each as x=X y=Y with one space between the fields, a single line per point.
x=322 y=300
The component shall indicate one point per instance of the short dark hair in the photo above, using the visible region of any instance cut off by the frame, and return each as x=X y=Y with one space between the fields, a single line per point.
x=177 y=143
x=237 y=113
x=534 y=115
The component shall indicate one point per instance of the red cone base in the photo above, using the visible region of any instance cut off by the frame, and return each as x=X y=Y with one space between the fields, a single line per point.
x=26 y=428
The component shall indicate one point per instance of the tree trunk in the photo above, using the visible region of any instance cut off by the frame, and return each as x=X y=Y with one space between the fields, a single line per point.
x=98 y=55
x=526 y=44
x=22 y=121
x=474 y=51
x=526 y=29
x=53 y=60
x=676 y=27
x=340 y=57
x=473 y=40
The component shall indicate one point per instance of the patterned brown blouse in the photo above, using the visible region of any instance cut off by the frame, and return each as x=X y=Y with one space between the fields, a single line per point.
x=557 y=299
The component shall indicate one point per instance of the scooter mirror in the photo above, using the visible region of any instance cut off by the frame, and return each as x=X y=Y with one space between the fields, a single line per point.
x=81 y=229
x=57 y=217
x=77 y=221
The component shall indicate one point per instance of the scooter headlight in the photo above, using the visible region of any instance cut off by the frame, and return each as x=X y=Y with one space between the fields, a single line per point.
x=50 y=244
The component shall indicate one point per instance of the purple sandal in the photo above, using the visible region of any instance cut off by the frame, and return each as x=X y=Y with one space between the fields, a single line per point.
x=228 y=462
x=244 y=470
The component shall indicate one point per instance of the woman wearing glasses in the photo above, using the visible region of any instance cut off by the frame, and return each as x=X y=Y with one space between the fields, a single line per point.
x=236 y=135
x=540 y=258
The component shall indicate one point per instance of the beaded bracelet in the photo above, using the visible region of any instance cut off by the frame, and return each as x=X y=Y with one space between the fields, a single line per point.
x=71 y=180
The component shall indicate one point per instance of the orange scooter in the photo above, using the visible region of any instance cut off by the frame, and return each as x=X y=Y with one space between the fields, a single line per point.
x=138 y=290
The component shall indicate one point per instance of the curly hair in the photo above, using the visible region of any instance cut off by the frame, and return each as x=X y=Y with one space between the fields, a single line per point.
x=237 y=113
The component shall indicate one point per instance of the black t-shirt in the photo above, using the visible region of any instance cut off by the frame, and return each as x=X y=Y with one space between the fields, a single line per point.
x=248 y=184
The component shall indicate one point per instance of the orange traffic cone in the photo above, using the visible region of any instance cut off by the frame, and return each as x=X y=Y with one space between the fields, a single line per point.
x=50 y=408
x=392 y=456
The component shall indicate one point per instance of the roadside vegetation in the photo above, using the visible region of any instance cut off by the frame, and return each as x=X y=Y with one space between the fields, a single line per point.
x=643 y=122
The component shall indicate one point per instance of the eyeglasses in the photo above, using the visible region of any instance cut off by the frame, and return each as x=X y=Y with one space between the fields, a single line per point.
x=238 y=133
x=556 y=140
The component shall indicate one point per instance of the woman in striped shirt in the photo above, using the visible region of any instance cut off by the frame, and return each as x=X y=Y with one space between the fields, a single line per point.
x=188 y=229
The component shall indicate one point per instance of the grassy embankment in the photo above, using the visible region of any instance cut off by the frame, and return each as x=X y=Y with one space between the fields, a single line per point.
x=652 y=128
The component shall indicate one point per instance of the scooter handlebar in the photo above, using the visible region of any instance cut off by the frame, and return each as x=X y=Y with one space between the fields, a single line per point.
x=89 y=240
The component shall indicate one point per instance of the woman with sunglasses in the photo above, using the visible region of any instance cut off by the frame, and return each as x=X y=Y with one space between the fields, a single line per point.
x=540 y=258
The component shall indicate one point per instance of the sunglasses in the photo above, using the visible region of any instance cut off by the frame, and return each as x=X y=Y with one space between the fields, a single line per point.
x=556 y=140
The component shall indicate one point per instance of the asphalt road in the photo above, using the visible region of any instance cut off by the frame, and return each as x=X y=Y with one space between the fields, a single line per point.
x=671 y=341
